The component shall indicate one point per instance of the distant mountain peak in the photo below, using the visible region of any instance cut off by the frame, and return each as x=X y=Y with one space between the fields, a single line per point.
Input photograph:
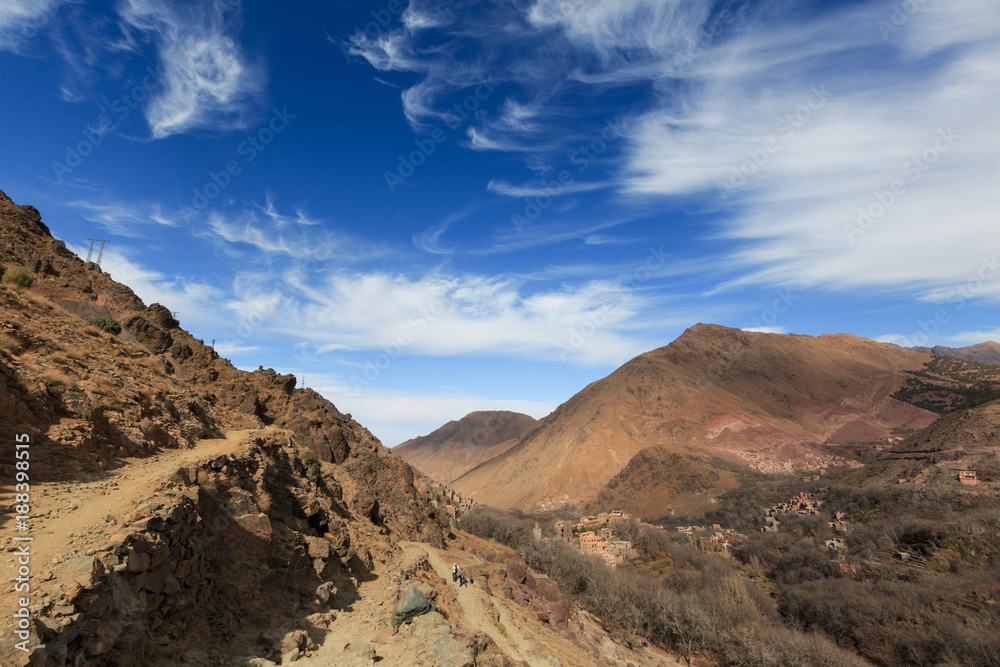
x=714 y=391
x=987 y=353
x=458 y=446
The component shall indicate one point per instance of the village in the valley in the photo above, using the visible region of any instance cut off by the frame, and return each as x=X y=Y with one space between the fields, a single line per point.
x=453 y=502
x=816 y=463
x=595 y=535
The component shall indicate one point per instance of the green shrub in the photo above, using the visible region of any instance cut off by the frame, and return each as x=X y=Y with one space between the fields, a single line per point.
x=109 y=324
x=985 y=398
x=311 y=462
x=18 y=277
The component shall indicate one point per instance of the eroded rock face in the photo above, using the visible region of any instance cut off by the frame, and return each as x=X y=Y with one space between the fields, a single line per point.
x=157 y=339
x=200 y=558
x=245 y=536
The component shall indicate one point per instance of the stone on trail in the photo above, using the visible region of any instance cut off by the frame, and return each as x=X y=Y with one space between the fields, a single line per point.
x=412 y=604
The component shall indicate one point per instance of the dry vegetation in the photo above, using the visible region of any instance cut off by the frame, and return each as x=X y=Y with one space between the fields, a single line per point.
x=701 y=605
x=919 y=583
x=944 y=384
x=921 y=586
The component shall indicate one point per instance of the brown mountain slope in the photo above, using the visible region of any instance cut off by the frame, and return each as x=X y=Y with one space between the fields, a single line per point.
x=659 y=477
x=983 y=353
x=459 y=446
x=960 y=439
x=714 y=390
x=945 y=383
x=177 y=503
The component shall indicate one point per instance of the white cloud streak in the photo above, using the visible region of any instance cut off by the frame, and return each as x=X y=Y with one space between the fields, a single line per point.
x=125 y=218
x=301 y=237
x=791 y=129
x=500 y=187
x=22 y=20
x=208 y=82
x=394 y=416
x=441 y=315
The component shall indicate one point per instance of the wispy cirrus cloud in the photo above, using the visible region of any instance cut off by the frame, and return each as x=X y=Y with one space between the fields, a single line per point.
x=208 y=80
x=298 y=237
x=257 y=228
x=22 y=20
x=205 y=79
x=828 y=151
x=126 y=218
x=501 y=187
x=823 y=181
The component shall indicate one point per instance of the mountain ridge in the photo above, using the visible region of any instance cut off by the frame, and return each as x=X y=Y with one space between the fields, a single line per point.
x=238 y=481
x=987 y=352
x=712 y=391
x=458 y=446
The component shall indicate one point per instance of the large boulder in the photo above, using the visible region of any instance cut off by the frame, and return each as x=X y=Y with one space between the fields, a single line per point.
x=413 y=603
x=517 y=573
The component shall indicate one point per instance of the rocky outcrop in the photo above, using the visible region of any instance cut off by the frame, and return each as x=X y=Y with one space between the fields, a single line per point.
x=412 y=604
x=287 y=526
x=241 y=541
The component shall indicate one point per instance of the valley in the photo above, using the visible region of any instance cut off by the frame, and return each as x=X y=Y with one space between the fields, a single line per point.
x=656 y=517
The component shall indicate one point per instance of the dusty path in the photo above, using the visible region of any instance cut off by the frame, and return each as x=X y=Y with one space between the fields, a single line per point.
x=476 y=606
x=67 y=514
x=522 y=638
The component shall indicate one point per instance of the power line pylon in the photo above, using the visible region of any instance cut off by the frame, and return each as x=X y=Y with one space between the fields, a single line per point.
x=100 y=253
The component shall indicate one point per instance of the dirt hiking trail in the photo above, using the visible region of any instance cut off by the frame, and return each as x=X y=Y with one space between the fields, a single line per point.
x=73 y=516
x=477 y=607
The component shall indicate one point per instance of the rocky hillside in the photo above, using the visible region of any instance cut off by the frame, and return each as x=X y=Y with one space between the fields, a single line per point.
x=757 y=398
x=459 y=446
x=659 y=477
x=967 y=439
x=987 y=353
x=283 y=506
x=944 y=384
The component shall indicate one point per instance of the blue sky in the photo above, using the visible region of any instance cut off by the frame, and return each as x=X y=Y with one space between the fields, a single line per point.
x=429 y=207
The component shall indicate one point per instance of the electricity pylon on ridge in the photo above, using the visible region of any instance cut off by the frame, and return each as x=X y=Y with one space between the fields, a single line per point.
x=100 y=253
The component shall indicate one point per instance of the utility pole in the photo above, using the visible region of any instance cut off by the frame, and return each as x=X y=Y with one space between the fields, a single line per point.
x=100 y=253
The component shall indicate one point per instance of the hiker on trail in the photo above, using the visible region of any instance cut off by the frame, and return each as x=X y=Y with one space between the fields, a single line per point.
x=461 y=579
x=454 y=572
